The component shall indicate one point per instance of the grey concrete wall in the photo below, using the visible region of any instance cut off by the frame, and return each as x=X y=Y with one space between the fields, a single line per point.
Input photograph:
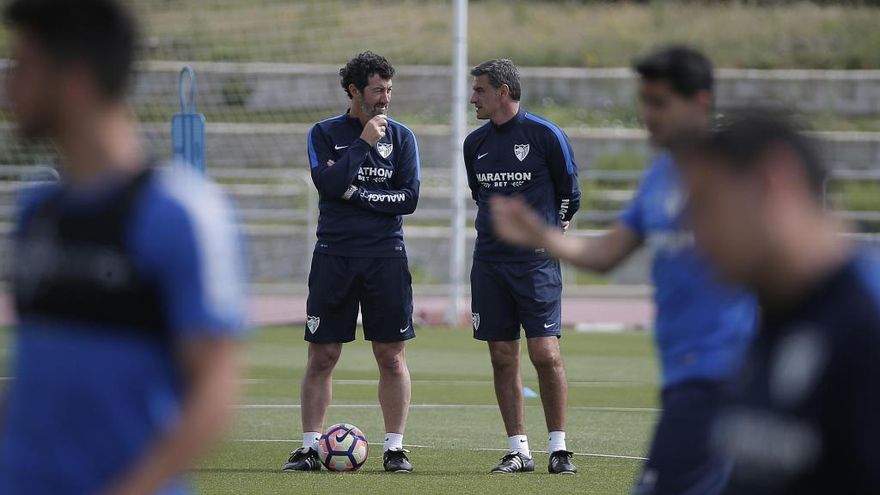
x=246 y=88
x=279 y=253
x=427 y=89
x=284 y=145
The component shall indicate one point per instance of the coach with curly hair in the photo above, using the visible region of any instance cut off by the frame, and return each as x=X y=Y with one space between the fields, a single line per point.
x=366 y=169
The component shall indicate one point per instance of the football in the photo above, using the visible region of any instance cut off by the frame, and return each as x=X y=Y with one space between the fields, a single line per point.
x=343 y=448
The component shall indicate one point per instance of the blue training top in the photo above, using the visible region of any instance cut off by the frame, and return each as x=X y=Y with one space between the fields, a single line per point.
x=109 y=284
x=702 y=327
x=387 y=177
x=526 y=156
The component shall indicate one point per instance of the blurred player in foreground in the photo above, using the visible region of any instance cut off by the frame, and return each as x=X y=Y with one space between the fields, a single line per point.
x=804 y=418
x=127 y=280
x=517 y=152
x=365 y=167
x=702 y=327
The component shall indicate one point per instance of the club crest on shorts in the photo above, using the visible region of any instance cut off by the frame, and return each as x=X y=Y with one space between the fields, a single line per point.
x=385 y=149
x=475 y=319
x=313 y=322
x=521 y=151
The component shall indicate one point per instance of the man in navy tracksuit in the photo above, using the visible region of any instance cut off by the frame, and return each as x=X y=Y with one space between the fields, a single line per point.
x=518 y=153
x=803 y=416
x=366 y=169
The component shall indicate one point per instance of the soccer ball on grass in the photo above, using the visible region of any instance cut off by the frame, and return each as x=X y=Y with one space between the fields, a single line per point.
x=343 y=448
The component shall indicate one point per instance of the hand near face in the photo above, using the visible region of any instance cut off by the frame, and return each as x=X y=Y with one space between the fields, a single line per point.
x=375 y=129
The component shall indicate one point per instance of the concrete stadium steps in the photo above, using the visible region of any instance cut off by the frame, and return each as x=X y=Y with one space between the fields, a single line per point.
x=284 y=145
x=279 y=254
x=265 y=87
x=280 y=204
x=264 y=166
x=280 y=239
x=282 y=253
x=285 y=196
x=281 y=196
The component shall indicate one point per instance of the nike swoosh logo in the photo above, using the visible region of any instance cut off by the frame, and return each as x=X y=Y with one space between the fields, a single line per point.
x=403 y=330
x=548 y=326
x=339 y=439
x=522 y=441
x=479 y=157
x=340 y=147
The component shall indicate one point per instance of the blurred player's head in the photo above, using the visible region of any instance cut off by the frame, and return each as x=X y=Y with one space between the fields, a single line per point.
x=756 y=194
x=496 y=85
x=366 y=79
x=68 y=58
x=675 y=92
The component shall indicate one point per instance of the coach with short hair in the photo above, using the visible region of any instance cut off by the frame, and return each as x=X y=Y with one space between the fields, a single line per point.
x=519 y=153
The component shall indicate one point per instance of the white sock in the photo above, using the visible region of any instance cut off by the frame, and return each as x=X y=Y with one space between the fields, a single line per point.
x=557 y=441
x=393 y=441
x=519 y=443
x=310 y=439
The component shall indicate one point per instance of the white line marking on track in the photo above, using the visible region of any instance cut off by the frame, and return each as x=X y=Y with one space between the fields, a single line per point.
x=585 y=454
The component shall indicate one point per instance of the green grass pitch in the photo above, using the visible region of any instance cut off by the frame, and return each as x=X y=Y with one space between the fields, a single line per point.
x=455 y=431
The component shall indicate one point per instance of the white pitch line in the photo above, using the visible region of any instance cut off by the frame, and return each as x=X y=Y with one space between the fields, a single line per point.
x=451 y=406
x=597 y=383
x=585 y=454
x=582 y=383
x=255 y=381
x=281 y=440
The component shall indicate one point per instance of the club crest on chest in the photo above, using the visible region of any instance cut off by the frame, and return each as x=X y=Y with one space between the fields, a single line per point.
x=384 y=149
x=521 y=151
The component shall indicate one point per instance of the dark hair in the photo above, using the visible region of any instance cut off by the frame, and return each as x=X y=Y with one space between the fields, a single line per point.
x=359 y=69
x=741 y=140
x=500 y=72
x=99 y=34
x=684 y=69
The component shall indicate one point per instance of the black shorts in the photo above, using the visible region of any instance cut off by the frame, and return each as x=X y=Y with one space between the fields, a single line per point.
x=508 y=295
x=681 y=459
x=339 y=285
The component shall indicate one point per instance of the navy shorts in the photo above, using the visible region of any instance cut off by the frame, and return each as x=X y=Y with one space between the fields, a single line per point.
x=508 y=295
x=682 y=460
x=339 y=285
